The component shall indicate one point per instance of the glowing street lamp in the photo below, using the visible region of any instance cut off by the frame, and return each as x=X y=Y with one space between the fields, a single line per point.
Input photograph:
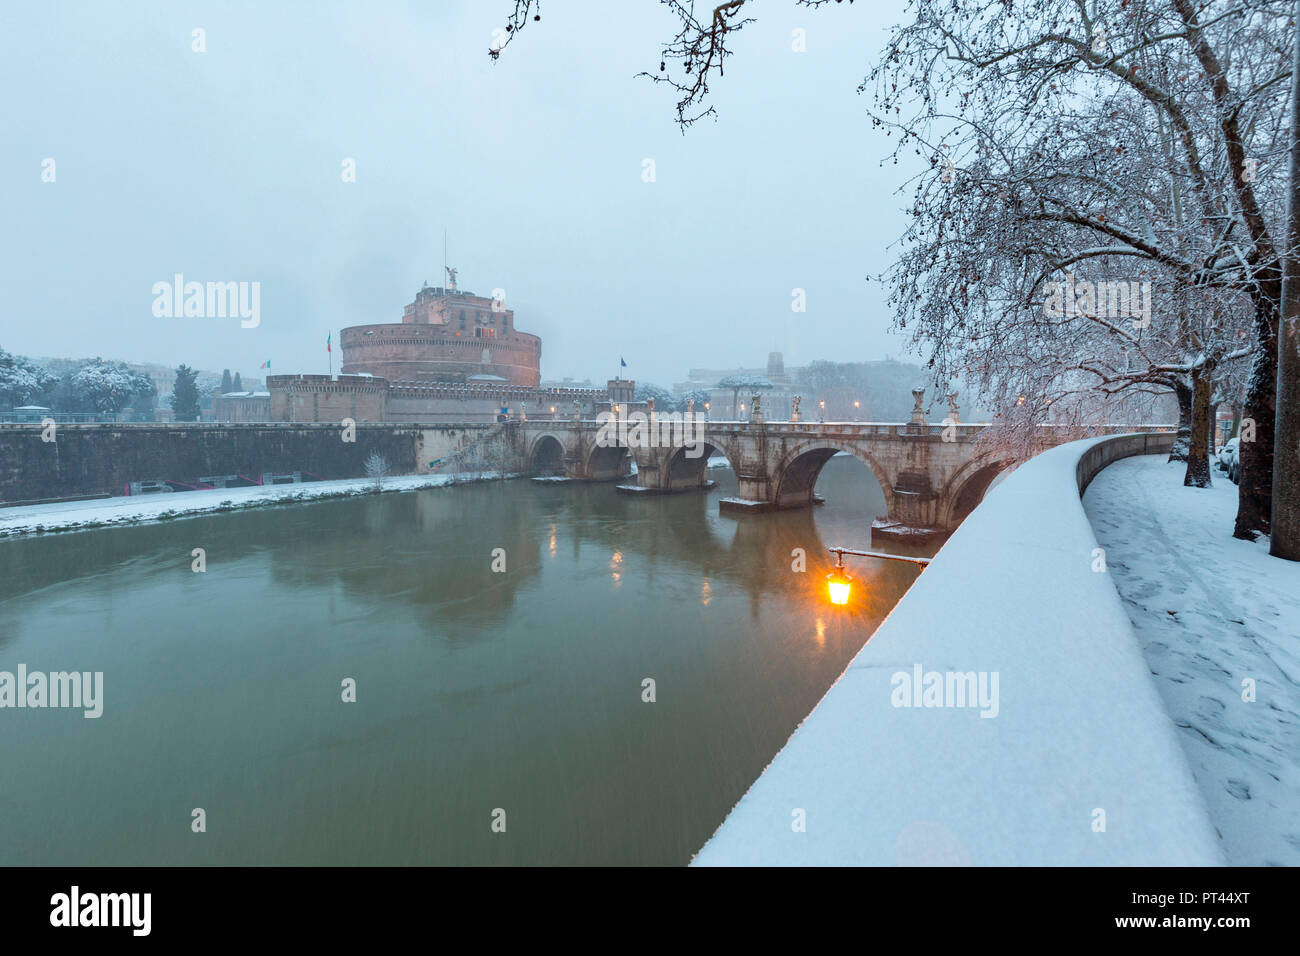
x=839 y=583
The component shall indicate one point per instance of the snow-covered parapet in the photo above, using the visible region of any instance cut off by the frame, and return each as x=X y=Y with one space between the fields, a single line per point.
x=1001 y=715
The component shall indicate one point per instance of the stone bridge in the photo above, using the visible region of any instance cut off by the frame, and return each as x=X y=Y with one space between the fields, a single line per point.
x=932 y=476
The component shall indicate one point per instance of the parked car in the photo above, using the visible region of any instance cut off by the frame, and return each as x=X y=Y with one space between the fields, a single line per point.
x=1228 y=460
x=1227 y=453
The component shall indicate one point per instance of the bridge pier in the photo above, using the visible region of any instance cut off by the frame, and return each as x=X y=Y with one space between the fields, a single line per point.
x=887 y=531
x=669 y=470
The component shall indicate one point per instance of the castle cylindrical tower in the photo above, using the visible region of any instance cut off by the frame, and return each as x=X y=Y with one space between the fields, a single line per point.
x=445 y=336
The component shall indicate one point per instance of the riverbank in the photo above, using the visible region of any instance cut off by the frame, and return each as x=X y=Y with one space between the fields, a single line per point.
x=1218 y=620
x=1001 y=715
x=141 y=509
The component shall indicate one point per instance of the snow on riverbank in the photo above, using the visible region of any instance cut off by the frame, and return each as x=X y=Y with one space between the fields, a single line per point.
x=137 y=509
x=1074 y=760
x=1213 y=612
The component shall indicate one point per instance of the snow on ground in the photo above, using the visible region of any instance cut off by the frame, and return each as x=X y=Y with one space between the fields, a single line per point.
x=1076 y=760
x=1212 y=612
x=135 y=509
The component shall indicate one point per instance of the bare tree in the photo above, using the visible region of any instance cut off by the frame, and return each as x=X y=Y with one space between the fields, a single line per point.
x=1134 y=140
x=687 y=62
x=376 y=468
x=1286 y=464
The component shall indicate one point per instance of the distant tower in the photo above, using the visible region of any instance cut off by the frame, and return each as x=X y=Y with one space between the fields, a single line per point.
x=775 y=367
x=622 y=391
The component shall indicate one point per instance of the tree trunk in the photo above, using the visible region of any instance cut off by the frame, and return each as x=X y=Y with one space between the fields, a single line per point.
x=1255 y=450
x=1182 y=440
x=1198 y=454
x=1286 y=434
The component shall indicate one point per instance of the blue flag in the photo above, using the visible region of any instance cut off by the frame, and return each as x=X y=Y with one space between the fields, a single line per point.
x=621 y=363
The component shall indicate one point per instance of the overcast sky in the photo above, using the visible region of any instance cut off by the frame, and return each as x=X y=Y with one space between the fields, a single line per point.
x=225 y=166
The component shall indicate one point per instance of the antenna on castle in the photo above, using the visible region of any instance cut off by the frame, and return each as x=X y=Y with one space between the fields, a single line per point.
x=444 y=255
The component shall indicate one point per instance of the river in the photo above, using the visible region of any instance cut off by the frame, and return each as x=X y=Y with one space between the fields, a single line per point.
x=486 y=701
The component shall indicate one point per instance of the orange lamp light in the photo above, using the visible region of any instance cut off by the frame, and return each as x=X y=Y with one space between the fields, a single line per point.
x=839 y=584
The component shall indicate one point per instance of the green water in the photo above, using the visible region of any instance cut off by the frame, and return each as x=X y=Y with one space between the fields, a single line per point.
x=476 y=691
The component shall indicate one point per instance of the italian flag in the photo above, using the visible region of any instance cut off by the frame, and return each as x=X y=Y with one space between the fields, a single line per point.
x=328 y=347
x=266 y=364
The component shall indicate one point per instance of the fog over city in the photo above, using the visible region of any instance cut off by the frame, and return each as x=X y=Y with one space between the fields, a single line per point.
x=227 y=165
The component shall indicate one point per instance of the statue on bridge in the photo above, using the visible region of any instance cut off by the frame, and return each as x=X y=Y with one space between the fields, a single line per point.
x=918 y=413
x=794 y=410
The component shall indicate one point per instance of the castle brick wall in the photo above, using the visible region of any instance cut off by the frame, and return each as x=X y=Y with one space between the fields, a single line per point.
x=322 y=398
x=325 y=398
x=416 y=353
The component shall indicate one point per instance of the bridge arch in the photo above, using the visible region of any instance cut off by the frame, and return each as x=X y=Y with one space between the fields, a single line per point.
x=968 y=485
x=796 y=473
x=546 y=455
x=679 y=470
x=607 y=462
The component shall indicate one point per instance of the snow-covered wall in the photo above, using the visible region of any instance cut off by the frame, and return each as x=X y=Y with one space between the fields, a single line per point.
x=1065 y=755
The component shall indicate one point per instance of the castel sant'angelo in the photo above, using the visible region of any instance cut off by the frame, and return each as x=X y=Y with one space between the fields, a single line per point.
x=455 y=356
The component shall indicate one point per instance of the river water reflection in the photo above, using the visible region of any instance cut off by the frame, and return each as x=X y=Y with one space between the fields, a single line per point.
x=476 y=691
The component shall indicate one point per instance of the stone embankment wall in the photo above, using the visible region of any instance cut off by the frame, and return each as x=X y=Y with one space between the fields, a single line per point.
x=97 y=459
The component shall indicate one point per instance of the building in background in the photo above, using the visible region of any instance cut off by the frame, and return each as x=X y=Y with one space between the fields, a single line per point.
x=774 y=382
x=454 y=357
x=369 y=398
x=446 y=336
x=252 y=406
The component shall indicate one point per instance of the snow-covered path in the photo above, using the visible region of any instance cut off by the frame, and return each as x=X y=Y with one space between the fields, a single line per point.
x=1214 y=614
x=102 y=512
